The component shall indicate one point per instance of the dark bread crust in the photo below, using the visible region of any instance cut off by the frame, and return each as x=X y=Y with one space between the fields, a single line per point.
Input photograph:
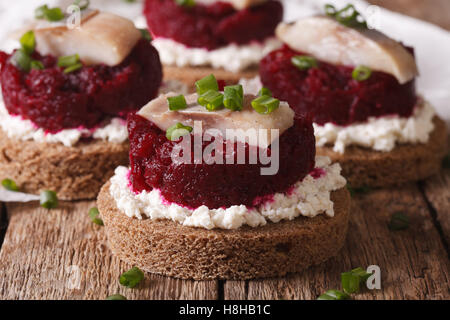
x=189 y=75
x=406 y=162
x=74 y=173
x=168 y=248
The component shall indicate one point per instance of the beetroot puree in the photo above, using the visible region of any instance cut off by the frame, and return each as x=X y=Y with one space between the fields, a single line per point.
x=55 y=101
x=214 y=185
x=212 y=26
x=329 y=94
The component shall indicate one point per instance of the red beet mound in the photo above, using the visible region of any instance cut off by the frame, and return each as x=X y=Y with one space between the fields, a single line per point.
x=55 y=101
x=212 y=26
x=214 y=185
x=329 y=94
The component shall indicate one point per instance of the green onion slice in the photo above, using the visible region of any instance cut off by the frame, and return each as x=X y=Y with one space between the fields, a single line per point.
x=73 y=68
x=264 y=92
x=351 y=280
x=207 y=83
x=233 y=97
x=67 y=61
x=49 y=200
x=177 y=103
x=146 y=34
x=361 y=73
x=334 y=295
x=265 y=104
x=211 y=100
x=304 y=62
x=82 y=4
x=50 y=14
x=176 y=131
x=36 y=64
x=185 y=3
x=28 y=42
x=348 y=16
x=94 y=215
x=10 y=185
x=116 y=297
x=21 y=60
x=398 y=221
x=330 y=10
x=131 y=278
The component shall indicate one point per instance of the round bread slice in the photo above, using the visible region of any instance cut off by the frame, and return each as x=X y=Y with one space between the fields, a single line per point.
x=364 y=167
x=171 y=249
x=189 y=75
x=74 y=173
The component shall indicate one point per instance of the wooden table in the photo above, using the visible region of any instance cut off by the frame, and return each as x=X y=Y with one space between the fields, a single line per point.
x=60 y=254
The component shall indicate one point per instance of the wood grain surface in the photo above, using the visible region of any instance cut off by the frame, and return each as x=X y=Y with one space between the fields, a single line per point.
x=61 y=254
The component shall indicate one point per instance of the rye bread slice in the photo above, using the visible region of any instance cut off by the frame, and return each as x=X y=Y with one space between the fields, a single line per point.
x=74 y=173
x=406 y=162
x=168 y=248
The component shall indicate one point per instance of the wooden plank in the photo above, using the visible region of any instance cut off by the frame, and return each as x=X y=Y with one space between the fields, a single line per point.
x=414 y=263
x=434 y=11
x=61 y=254
x=437 y=191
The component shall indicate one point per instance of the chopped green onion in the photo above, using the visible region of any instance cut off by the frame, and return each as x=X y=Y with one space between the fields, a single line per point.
x=146 y=34
x=49 y=200
x=233 y=97
x=264 y=92
x=211 y=100
x=353 y=191
x=399 y=221
x=50 y=14
x=177 y=103
x=265 y=104
x=36 y=64
x=116 y=297
x=304 y=62
x=334 y=295
x=67 y=61
x=93 y=214
x=21 y=60
x=73 y=68
x=132 y=277
x=361 y=73
x=176 y=131
x=82 y=4
x=185 y=3
x=330 y=10
x=10 y=185
x=207 y=83
x=348 y=16
x=28 y=42
x=352 y=280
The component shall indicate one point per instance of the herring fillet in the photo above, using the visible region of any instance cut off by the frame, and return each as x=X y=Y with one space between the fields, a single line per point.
x=102 y=38
x=281 y=119
x=328 y=40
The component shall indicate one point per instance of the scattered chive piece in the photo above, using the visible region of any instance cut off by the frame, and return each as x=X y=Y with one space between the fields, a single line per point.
x=93 y=214
x=73 y=68
x=265 y=104
x=304 y=62
x=50 y=14
x=116 y=297
x=264 y=92
x=361 y=73
x=352 y=280
x=233 y=97
x=28 y=42
x=207 y=83
x=399 y=221
x=21 y=60
x=334 y=295
x=211 y=100
x=10 y=185
x=82 y=4
x=131 y=278
x=49 y=200
x=185 y=3
x=177 y=103
x=67 y=61
x=354 y=191
x=146 y=34
x=348 y=16
x=36 y=64
x=176 y=131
